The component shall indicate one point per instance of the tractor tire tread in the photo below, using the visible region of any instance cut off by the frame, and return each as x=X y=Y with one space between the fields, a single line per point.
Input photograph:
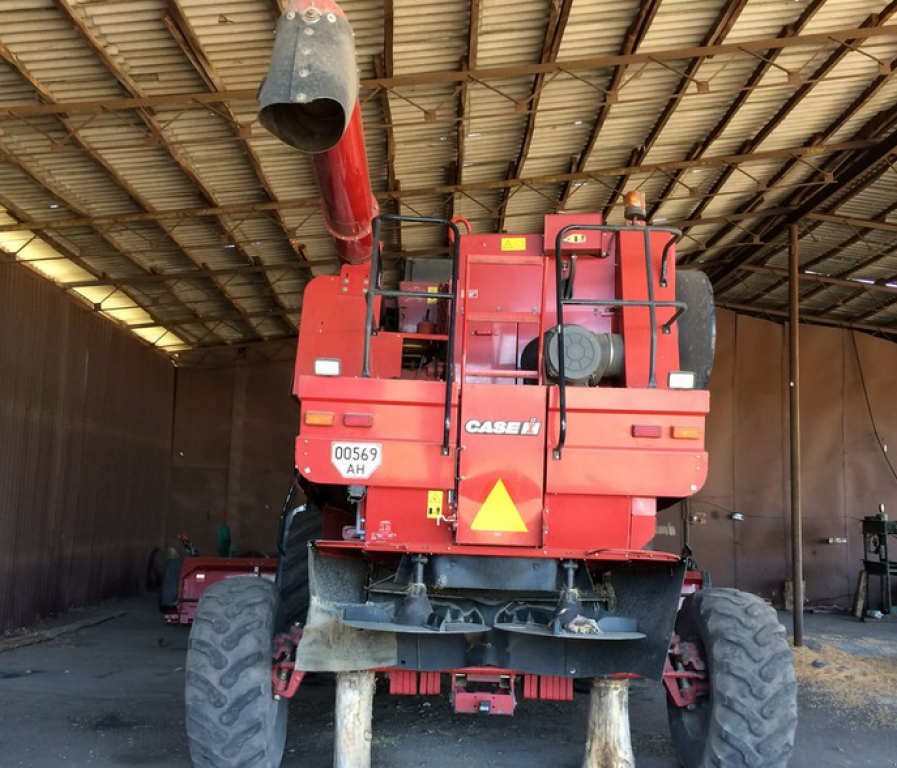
x=753 y=705
x=293 y=574
x=232 y=719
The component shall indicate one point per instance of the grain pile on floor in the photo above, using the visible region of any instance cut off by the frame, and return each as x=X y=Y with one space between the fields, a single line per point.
x=858 y=678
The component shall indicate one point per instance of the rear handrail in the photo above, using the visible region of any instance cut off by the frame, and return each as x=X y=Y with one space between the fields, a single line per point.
x=651 y=304
x=374 y=289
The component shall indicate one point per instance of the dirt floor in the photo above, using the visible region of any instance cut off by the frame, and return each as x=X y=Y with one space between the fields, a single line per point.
x=111 y=695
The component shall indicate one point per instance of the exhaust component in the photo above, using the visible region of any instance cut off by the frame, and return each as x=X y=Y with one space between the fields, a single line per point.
x=309 y=100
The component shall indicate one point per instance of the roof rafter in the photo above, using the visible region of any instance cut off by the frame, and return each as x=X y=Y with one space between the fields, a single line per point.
x=204 y=99
x=156 y=129
x=559 y=15
x=634 y=38
x=716 y=34
x=767 y=62
x=45 y=94
x=314 y=202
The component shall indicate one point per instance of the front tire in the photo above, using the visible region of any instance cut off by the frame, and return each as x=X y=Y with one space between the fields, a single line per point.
x=749 y=718
x=233 y=720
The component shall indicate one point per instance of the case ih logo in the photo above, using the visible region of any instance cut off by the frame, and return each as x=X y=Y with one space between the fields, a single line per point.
x=477 y=427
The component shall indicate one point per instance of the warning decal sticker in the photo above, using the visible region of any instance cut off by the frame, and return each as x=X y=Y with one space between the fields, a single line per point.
x=499 y=513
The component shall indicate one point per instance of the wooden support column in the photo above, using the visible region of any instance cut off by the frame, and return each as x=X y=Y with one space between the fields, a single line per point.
x=352 y=719
x=609 y=744
x=797 y=560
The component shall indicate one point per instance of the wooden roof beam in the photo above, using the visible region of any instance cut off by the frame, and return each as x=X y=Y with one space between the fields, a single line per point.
x=716 y=34
x=131 y=87
x=312 y=202
x=86 y=149
x=638 y=29
x=188 y=41
x=584 y=64
x=559 y=15
x=843 y=178
x=13 y=211
x=761 y=311
x=826 y=67
x=768 y=60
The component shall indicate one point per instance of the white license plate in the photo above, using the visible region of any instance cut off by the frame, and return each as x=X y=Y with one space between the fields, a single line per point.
x=356 y=460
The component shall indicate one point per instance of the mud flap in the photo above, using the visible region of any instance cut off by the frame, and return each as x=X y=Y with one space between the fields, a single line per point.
x=327 y=645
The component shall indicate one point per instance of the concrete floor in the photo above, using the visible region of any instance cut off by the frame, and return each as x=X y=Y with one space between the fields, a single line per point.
x=111 y=695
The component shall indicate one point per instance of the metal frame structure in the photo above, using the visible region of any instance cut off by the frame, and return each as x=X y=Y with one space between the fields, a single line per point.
x=138 y=178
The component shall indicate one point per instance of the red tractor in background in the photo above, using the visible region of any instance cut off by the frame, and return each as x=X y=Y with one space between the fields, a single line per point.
x=483 y=452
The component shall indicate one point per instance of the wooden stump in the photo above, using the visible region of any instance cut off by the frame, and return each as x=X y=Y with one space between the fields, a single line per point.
x=352 y=720
x=608 y=744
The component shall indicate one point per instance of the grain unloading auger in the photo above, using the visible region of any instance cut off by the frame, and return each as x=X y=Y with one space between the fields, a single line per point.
x=483 y=453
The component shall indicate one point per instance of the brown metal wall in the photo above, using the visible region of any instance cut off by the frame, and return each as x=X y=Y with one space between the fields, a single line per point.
x=85 y=429
x=234 y=434
x=845 y=472
x=232 y=454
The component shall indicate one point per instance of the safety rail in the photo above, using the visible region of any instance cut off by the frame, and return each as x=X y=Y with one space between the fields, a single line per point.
x=374 y=289
x=563 y=299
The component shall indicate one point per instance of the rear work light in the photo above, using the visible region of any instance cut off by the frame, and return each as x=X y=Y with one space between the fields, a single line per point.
x=358 y=420
x=318 y=419
x=686 y=433
x=681 y=380
x=327 y=366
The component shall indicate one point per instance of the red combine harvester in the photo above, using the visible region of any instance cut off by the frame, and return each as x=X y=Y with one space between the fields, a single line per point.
x=483 y=455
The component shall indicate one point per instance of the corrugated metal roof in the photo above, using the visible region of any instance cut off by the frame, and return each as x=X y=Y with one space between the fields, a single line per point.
x=716 y=138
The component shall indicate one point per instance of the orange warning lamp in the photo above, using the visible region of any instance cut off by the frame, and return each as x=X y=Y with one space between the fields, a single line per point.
x=634 y=206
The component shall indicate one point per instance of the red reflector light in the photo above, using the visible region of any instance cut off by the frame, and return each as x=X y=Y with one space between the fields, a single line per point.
x=647 y=430
x=358 y=420
x=686 y=433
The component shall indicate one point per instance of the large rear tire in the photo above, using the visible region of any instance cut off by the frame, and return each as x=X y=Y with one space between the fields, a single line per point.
x=749 y=719
x=301 y=526
x=233 y=720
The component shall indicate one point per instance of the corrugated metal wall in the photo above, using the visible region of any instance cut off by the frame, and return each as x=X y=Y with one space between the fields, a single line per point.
x=232 y=454
x=88 y=439
x=85 y=431
x=845 y=472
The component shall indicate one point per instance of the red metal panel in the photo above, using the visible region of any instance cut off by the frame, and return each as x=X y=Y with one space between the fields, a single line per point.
x=556 y=688
x=531 y=686
x=576 y=241
x=603 y=457
x=633 y=282
x=333 y=315
x=402 y=682
x=514 y=459
x=430 y=683
x=399 y=516
x=602 y=521
x=411 y=438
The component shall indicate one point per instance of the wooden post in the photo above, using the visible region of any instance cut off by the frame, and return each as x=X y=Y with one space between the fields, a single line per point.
x=608 y=744
x=352 y=720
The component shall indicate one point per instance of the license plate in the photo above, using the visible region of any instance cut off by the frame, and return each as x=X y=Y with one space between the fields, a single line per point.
x=356 y=461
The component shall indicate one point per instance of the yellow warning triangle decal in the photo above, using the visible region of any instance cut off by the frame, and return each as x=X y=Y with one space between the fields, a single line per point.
x=499 y=513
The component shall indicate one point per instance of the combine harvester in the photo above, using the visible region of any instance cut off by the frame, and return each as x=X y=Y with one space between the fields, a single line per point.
x=481 y=506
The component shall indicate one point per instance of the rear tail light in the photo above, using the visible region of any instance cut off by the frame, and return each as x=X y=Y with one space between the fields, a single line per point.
x=358 y=420
x=647 y=430
x=319 y=419
x=327 y=366
x=686 y=433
